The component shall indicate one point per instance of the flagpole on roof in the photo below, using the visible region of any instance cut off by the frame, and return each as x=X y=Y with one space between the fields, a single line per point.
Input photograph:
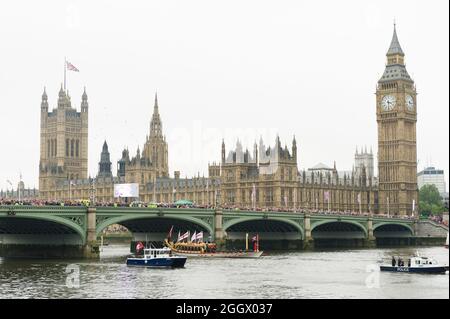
x=65 y=67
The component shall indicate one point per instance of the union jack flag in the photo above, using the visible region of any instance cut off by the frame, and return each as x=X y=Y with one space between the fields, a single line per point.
x=71 y=67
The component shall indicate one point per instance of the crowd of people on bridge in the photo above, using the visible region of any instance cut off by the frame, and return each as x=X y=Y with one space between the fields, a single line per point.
x=438 y=219
x=75 y=203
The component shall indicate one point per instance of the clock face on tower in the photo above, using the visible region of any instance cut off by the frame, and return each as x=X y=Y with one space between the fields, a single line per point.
x=409 y=102
x=388 y=102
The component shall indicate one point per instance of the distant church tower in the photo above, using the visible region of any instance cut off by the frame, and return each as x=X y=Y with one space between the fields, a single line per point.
x=397 y=151
x=64 y=143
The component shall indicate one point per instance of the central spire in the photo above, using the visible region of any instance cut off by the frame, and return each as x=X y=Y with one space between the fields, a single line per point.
x=155 y=124
x=155 y=108
x=395 y=62
x=395 y=47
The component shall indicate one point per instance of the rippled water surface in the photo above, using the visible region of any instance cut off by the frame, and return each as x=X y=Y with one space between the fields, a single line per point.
x=318 y=274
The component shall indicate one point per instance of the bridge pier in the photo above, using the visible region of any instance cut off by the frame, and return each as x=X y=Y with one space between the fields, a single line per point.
x=219 y=233
x=371 y=241
x=308 y=241
x=91 y=248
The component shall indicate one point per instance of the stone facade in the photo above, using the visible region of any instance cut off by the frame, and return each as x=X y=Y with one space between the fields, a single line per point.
x=396 y=110
x=64 y=143
x=265 y=178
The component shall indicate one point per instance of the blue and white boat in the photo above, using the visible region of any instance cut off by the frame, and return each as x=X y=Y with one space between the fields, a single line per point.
x=417 y=264
x=157 y=258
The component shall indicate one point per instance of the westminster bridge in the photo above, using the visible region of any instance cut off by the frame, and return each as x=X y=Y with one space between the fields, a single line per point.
x=73 y=231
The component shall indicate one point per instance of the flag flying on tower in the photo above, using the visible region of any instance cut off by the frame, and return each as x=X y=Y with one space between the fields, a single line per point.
x=71 y=67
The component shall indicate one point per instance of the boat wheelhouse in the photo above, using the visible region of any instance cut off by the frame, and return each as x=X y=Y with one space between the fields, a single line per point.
x=157 y=257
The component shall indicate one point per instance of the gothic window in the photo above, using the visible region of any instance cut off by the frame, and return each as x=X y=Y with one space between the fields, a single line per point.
x=77 y=148
x=71 y=148
x=67 y=147
x=56 y=148
x=48 y=148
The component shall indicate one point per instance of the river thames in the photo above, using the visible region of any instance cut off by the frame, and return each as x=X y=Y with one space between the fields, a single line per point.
x=316 y=274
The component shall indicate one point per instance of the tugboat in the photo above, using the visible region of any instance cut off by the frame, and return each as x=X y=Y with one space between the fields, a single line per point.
x=417 y=264
x=157 y=258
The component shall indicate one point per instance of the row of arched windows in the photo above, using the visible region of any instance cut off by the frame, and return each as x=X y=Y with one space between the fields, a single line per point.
x=72 y=148
x=52 y=148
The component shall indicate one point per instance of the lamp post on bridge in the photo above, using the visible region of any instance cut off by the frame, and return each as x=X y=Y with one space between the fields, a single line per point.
x=387 y=199
x=92 y=191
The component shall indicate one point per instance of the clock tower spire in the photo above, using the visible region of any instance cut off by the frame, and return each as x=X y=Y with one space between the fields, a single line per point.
x=397 y=151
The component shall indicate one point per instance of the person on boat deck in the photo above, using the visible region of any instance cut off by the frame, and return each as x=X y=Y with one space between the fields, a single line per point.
x=393 y=261
x=409 y=262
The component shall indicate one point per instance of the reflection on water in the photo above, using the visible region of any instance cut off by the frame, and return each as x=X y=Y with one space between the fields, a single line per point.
x=318 y=274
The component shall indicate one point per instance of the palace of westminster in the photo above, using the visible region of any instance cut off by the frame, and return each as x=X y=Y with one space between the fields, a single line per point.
x=266 y=177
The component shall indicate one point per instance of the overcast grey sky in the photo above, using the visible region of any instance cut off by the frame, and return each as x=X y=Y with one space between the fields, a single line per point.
x=222 y=69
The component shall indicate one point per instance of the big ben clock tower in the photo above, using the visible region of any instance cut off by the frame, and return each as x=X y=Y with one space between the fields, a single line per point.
x=397 y=150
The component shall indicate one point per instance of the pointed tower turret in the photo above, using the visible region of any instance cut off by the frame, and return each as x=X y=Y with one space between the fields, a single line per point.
x=44 y=102
x=62 y=98
x=223 y=151
x=156 y=124
x=84 y=102
x=294 y=149
x=105 y=162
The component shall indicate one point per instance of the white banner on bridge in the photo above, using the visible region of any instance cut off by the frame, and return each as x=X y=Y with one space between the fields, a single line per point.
x=126 y=190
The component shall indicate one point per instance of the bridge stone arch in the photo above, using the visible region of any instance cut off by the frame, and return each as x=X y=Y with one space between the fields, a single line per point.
x=239 y=220
x=399 y=225
x=107 y=221
x=75 y=223
x=359 y=225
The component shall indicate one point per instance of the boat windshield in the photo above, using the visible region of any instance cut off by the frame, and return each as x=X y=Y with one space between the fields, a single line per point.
x=156 y=252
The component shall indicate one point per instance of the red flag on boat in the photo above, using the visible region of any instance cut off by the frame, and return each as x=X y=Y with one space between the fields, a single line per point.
x=139 y=246
x=255 y=240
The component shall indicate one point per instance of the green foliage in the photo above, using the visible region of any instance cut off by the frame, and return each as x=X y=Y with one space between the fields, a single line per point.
x=430 y=201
